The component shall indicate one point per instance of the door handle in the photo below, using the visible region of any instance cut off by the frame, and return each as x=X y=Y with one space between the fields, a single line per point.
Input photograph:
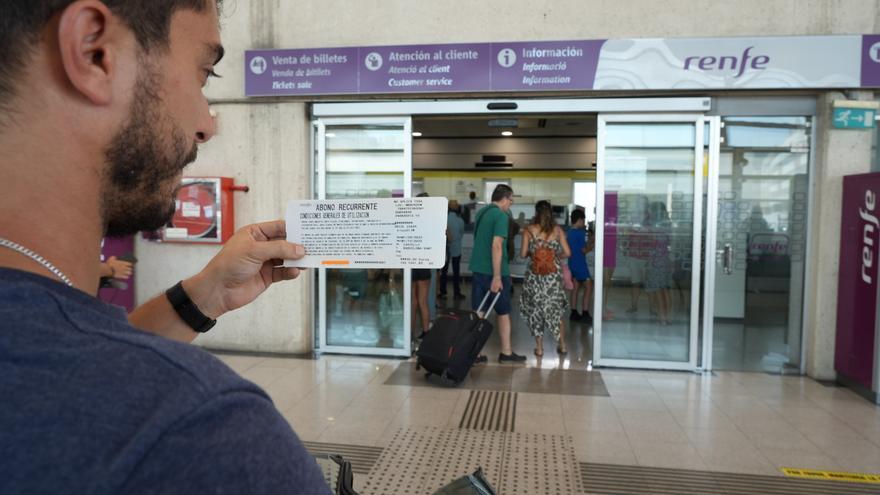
x=728 y=259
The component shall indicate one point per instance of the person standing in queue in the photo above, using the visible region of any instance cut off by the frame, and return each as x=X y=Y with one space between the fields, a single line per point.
x=454 y=235
x=577 y=264
x=490 y=267
x=543 y=302
x=421 y=284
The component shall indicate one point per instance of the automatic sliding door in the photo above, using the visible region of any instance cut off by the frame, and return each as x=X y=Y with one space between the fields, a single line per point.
x=364 y=311
x=646 y=310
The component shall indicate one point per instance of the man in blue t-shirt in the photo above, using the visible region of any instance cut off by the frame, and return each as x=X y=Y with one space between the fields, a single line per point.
x=490 y=267
x=94 y=402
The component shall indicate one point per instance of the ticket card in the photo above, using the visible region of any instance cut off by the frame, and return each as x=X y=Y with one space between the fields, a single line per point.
x=369 y=233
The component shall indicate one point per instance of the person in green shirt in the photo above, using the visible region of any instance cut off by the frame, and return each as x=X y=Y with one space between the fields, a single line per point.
x=490 y=267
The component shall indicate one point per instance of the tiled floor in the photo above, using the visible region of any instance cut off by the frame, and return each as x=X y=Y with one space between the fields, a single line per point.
x=727 y=422
x=514 y=378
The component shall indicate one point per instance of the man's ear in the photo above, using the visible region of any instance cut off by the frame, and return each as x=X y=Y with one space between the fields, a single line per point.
x=89 y=46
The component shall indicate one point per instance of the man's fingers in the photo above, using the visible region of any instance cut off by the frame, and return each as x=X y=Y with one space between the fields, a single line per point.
x=276 y=229
x=279 y=274
x=278 y=249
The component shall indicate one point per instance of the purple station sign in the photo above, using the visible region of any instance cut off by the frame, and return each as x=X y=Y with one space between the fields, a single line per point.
x=473 y=67
x=793 y=62
x=857 y=279
x=545 y=66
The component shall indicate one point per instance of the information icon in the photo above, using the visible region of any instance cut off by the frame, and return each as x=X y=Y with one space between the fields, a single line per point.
x=506 y=58
x=373 y=61
x=874 y=52
x=258 y=65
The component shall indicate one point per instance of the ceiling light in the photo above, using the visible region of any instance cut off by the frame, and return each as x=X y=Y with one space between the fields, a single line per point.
x=329 y=134
x=507 y=133
x=417 y=134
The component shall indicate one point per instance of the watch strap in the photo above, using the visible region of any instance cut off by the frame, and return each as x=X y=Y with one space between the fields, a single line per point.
x=187 y=310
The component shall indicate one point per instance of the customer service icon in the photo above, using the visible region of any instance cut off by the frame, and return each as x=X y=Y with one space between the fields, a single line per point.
x=373 y=61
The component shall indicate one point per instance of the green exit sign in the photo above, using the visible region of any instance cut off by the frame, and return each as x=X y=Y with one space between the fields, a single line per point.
x=854 y=118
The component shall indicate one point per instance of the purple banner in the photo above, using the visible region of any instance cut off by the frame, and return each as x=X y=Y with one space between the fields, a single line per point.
x=777 y=62
x=473 y=67
x=545 y=65
x=871 y=61
x=857 y=279
x=301 y=72
x=424 y=68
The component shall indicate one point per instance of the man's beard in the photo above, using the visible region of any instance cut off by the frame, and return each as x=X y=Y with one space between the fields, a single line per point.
x=141 y=176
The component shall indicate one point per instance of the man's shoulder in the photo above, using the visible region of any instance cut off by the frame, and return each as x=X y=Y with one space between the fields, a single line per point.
x=495 y=214
x=100 y=389
x=47 y=319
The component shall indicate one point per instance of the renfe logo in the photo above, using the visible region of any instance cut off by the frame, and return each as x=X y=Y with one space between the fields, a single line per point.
x=868 y=233
x=728 y=62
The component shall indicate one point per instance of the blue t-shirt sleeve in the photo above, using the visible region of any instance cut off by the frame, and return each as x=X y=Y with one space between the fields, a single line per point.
x=234 y=443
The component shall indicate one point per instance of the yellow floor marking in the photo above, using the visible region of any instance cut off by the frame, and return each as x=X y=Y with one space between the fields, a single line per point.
x=815 y=474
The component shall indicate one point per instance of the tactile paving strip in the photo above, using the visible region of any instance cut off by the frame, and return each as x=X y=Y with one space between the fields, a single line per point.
x=421 y=460
x=608 y=479
x=489 y=410
x=362 y=458
x=539 y=463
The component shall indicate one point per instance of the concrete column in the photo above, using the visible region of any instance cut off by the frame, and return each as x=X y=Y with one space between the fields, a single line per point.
x=837 y=153
x=266 y=147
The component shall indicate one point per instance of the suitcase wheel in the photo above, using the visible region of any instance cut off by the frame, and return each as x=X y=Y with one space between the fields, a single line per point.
x=446 y=380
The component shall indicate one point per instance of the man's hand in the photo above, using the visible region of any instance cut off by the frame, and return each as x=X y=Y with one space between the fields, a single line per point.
x=246 y=266
x=497 y=285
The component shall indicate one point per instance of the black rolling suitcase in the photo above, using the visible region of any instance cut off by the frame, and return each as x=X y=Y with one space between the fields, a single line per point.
x=452 y=345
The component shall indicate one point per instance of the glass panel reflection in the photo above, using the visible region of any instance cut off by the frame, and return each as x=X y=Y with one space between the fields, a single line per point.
x=761 y=246
x=649 y=203
x=365 y=307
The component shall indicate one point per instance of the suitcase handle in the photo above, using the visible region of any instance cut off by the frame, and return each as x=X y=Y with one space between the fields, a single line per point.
x=491 y=306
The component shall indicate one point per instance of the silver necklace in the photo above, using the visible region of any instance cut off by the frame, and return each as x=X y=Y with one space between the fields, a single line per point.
x=36 y=257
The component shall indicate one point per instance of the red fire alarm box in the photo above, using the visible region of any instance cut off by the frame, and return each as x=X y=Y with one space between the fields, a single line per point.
x=204 y=211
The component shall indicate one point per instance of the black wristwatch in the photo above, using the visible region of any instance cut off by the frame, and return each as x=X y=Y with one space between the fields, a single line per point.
x=187 y=309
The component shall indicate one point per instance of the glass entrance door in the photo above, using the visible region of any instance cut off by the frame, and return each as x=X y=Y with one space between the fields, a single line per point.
x=648 y=239
x=363 y=311
x=757 y=246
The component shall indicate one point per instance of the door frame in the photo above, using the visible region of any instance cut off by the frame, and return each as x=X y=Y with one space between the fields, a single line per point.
x=709 y=272
x=658 y=108
x=698 y=121
x=320 y=192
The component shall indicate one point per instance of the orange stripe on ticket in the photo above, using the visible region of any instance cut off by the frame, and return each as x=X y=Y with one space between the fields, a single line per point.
x=335 y=262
